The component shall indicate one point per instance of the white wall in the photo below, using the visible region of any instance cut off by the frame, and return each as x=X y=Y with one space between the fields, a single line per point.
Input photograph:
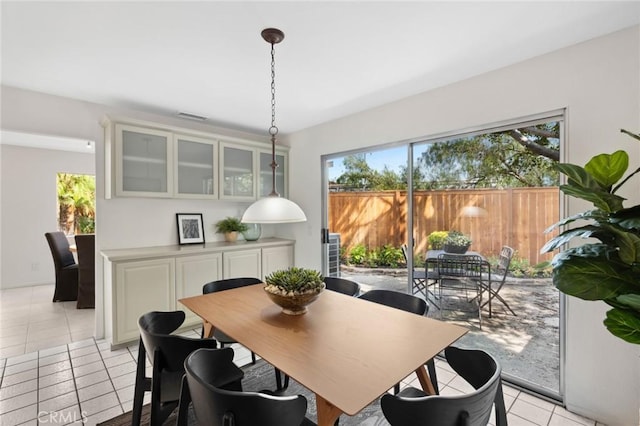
x=598 y=83
x=29 y=209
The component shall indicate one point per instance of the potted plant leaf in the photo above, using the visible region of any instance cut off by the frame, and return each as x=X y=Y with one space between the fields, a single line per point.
x=294 y=288
x=230 y=226
x=456 y=242
x=607 y=269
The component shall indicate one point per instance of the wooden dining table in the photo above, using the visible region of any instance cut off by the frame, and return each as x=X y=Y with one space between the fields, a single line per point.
x=346 y=350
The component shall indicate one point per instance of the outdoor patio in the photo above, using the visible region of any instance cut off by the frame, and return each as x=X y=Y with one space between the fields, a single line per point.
x=527 y=344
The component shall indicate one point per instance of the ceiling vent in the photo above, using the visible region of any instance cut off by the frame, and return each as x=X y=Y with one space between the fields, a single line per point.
x=191 y=116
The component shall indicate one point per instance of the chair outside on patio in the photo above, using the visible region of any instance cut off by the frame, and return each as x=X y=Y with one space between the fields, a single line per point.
x=422 y=280
x=506 y=254
x=462 y=273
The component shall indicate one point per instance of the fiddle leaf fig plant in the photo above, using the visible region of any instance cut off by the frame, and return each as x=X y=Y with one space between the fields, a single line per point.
x=609 y=268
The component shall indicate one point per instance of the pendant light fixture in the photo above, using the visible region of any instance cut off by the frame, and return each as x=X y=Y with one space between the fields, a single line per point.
x=273 y=208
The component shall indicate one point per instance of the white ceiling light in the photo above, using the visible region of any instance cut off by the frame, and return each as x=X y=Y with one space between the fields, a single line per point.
x=273 y=208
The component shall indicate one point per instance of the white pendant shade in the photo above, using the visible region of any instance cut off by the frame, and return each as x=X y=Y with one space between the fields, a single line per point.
x=273 y=209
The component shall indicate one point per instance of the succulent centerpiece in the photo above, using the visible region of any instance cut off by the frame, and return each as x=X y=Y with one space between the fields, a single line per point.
x=456 y=242
x=294 y=288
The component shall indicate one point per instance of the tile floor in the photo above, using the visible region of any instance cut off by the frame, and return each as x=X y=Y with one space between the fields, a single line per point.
x=53 y=372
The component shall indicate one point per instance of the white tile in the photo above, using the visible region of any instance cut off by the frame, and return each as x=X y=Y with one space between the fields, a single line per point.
x=16 y=330
x=18 y=368
x=90 y=379
x=88 y=368
x=95 y=390
x=538 y=402
x=22 y=358
x=86 y=359
x=55 y=390
x=124 y=380
x=52 y=379
x=13 y=351
x=43 y=344
x=122 y=369
x=81 y=344
x=20 y=377
x=100 y=403
x=557 y=420
x=117 y=360
x=58 y=403
x=52 y=359
x=57 y=349
x=530 y=412
x=19 y=401
x=127 y=405
x=83 y=351
x=514 y=420
x=6 y=342
x=563 y=412
x=55 y=367
x=126 y=394
x=66 y=415
x=20 y=416
x=18 y=389
x=47 y=333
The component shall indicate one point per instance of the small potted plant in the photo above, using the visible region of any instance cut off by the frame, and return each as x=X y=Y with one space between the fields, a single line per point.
x=230 y=226
x=456 y=242
x=294 y=288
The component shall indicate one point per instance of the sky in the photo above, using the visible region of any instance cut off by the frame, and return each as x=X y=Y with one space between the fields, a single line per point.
x=393 y=158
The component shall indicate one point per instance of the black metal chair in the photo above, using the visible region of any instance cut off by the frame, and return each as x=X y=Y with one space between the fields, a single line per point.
x=461 y=272
x=407 y=303
x=412 y=407
x=422 y=279
x=506 y=254
x=65 y=266
x=167 y=354
x=215 y=406
x=342 y=285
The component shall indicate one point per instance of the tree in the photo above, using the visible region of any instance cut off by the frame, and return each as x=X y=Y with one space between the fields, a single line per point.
x=358 y=174
x=513 y=158
x=76 y=203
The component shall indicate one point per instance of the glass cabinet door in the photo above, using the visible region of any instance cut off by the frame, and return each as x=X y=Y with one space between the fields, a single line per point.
x=238 y=177
x=143 y=159
x=196 y=167
x=265 y=183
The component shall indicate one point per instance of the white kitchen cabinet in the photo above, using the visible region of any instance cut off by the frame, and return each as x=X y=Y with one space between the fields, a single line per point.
x=196 y=167
x=141 y=287
x=192 y=273
x=242 y=263
x=275 y=258
x=143 y=160
x=145 y=279
x=238 y=172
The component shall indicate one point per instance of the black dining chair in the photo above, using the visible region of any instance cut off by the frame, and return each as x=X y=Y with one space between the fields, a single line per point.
x=412 y=407
x=85 y=245
x=215 y=406
x=167 y=353
x=407 y=303
x=65 y=266
x=342 y=285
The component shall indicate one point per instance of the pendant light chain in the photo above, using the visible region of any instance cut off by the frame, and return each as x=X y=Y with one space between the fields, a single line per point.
x=273 y=130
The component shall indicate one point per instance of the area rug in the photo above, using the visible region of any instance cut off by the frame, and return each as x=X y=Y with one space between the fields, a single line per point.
x=261 y=376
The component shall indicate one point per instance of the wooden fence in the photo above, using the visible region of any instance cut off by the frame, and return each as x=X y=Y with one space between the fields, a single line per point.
x=491 y=217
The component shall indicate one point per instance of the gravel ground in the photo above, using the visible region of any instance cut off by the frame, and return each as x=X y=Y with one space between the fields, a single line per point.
x=527 y=344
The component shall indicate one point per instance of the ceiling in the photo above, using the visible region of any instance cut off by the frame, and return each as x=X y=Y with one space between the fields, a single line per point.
x=207 y=58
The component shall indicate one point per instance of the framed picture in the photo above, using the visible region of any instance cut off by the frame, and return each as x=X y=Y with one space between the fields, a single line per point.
x=190 y=229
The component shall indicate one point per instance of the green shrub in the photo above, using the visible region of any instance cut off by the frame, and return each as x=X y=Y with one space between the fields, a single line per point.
x=358 y=254
x=436 y=239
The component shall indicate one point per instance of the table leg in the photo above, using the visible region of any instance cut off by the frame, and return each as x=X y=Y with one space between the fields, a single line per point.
x=425 y=381
x=208 y=329
x=327 y=412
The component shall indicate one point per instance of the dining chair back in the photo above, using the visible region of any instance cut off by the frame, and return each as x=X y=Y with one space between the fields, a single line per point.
x=167 y=353
x=504 y=261
x=215 y=406
x=407 y=303
x=342 y=285
x=412 y=407
x=85 y=244
x=65 y=265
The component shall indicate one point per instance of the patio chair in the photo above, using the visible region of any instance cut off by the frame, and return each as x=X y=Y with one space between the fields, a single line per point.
x=506 y=254
x=212 y=405
x=422 y=279
x=462 y=273
x=412 y=407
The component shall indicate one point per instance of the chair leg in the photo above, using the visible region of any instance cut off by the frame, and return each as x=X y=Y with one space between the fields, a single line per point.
x=431 y=369
x=183 y=407
x=143 y=384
